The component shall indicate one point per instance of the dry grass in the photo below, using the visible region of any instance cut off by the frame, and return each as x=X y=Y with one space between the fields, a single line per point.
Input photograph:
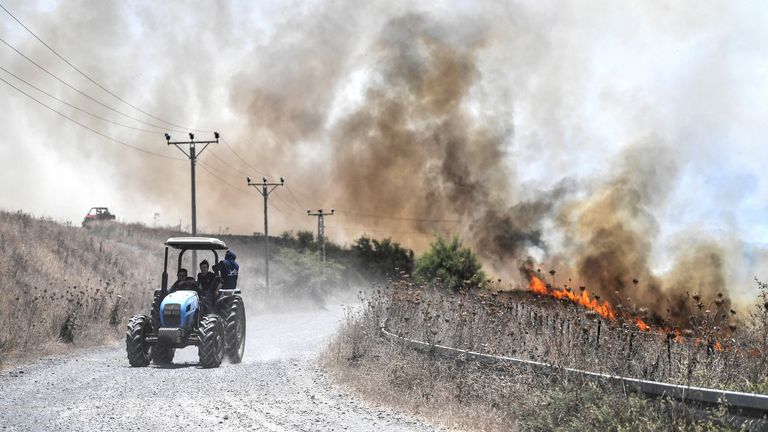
x=66 y=287
x=472 y=397
x=563 y=334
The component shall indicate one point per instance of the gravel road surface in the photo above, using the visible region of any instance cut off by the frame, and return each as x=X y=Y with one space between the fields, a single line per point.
x=276 y=388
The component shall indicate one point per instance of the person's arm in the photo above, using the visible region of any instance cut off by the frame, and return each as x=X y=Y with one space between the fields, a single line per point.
x=217 y=267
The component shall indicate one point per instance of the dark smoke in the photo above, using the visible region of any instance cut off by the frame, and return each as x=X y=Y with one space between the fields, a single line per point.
x=612 y=233
x=431 y=137
x=411 y=148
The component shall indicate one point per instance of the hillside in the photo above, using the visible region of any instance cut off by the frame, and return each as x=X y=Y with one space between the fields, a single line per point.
x=66 y=287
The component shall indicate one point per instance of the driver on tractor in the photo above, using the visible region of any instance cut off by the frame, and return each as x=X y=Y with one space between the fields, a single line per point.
x=184 y=282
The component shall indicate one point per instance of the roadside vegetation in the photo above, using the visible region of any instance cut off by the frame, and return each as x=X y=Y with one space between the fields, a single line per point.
x=66 y=287
x=449 y=264
x=467 y=395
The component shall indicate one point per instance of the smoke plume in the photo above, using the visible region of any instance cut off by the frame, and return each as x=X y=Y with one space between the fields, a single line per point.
x=514 y=126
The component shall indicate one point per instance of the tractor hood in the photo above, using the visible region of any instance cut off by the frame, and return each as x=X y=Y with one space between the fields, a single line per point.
x=178 y=309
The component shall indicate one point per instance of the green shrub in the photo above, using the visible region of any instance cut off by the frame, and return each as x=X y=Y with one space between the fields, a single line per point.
x=379 y=259
x=301 y=240
x=303 y=274
x=449 y=264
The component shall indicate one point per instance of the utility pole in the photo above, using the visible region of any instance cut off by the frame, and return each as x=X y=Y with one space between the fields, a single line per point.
x=266 y=189
x=320 y=214
x=155 y=219
x=192 y=155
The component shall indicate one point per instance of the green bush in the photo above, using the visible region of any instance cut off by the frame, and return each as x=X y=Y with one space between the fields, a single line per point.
x=449 y=264
x=379 y=259
x=303 y=274
x=301 y=240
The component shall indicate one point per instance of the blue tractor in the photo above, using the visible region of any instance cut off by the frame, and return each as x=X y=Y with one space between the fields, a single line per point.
x=215 y=324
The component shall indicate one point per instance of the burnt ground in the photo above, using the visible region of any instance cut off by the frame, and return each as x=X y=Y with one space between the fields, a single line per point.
x=278 y=387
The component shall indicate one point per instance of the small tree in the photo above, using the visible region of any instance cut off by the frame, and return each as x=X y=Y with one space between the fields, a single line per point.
x=301 y=240
x=449 y=264
x=379 y=259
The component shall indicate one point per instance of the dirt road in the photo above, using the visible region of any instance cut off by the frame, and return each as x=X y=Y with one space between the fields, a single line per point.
x=276 y=388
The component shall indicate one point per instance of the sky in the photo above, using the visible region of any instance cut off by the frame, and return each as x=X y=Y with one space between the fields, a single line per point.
x=566 y=87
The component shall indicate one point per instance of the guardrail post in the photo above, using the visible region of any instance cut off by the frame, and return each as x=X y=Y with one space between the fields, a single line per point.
x=597 y=340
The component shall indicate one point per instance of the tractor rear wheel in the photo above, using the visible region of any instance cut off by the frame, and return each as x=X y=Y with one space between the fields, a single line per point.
x=162 y=355
x=135 y=341
x=234 y=329
x=211 y=348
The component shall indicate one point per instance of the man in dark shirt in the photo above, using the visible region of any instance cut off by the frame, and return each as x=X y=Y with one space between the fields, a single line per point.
x=207 y=281
x=184 y=282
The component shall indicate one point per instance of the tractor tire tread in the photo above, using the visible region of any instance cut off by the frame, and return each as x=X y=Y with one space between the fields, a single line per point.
x=209 y=352
x=233 y=311
x=138 y=354
x=157 y=299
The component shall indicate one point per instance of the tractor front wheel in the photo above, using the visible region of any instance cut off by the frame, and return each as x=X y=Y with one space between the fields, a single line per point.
x=135 y=341
x=211 y=348
x=157 y=299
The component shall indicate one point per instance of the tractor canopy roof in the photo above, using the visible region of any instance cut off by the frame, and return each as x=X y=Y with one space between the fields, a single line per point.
x=196 y=243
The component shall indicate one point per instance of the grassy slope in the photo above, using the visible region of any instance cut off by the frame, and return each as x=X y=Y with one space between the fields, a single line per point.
x=67 y=286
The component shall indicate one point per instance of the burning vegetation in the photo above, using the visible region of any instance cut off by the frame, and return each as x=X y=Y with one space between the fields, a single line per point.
x=581 y=331
x=713 y=325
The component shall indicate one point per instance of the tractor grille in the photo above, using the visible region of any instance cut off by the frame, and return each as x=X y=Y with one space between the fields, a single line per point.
x=172 y=315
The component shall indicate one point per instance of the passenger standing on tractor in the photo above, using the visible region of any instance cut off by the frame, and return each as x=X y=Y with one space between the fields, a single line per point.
x=228 y=269
x=207 y=280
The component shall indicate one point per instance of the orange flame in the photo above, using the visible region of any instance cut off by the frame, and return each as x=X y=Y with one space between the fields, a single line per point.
x=538 y=286
x=604 y=309
x=642 y=325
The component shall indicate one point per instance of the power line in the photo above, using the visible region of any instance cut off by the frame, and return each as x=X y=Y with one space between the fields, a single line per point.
x=89 y=78
x=279 y=198
x=346 y=213
x=228 y=164
x=410 y=219
x=290 y=192
x=213 y=172
x=113 y=94
x=257 y=171
x=366 y=230
x=88 y=127
x=220 y=172
x=208 y=169
x=290 y=204
x=288 y=215
x=73 y=106
x=82 y=92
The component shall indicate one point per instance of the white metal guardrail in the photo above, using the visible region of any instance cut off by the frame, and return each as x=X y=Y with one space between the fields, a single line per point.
x=744 y=405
